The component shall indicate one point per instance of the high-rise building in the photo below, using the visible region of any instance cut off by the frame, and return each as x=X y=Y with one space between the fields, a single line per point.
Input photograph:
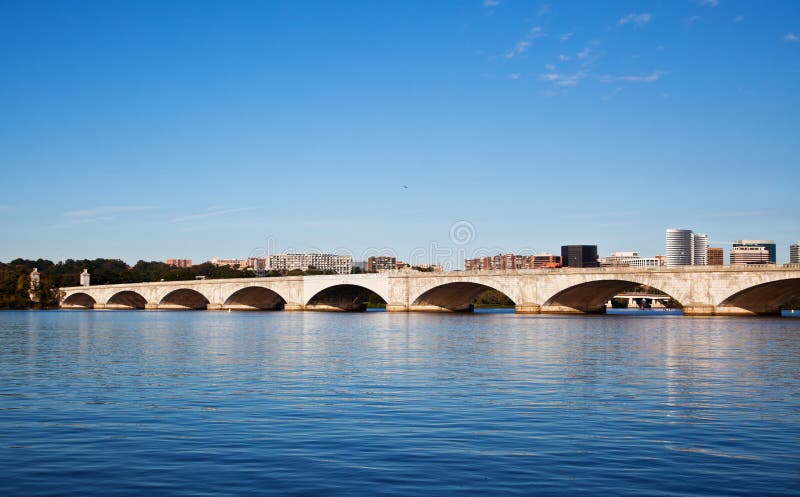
x=579 y=256
x=381 y=263
x=699 y=248
x=685 y=248
x=794 y=253
x=767 y=244
x=715 y=256
x=679 y=247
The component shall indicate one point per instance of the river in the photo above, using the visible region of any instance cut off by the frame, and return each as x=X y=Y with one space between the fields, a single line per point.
x=208 y=403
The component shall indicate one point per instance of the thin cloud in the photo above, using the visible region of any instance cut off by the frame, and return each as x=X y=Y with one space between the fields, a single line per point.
x=647 y=78
x=709 y=3
x=693 y=19
x=564 y=58
x=550 y=67
x=562 y=79
x=491 y=3
x=791 y=37
x=103 y=211
x=519 y=49
x=514 y=76
x=566 y=36
x=638 y=19
x=738 y=19
x=584 y=53
x=210 y=213
x=543 y=10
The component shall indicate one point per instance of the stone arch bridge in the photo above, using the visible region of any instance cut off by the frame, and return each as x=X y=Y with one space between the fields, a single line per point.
x=701 y=290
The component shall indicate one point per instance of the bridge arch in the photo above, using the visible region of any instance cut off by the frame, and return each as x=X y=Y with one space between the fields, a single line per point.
x=127 y=299
x=764 y=298
x=591 y=296
x=79 y=299
x=343 y=297
x=184 y=298
x=456 y=296
x=255 y=298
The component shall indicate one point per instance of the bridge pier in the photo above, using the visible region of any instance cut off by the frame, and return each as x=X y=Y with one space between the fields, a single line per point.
x=293 y=307
x=528 y=309
x=698 y=310
x=396 y=308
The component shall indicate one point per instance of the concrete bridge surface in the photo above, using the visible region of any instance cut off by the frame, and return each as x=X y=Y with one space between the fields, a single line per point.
x=701 y=290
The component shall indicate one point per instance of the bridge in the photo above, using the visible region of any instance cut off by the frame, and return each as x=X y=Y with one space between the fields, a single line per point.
x=701 y=290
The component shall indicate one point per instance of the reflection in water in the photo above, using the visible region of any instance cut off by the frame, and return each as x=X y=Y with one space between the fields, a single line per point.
x=316 y=403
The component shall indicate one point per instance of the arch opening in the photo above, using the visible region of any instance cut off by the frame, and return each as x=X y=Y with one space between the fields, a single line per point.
x=766 y=298
x=127 y=300
x=79 y=300
x=254 y=298
x=460 y=297
x=184 y=298
x=345 y=298
x=596 y=296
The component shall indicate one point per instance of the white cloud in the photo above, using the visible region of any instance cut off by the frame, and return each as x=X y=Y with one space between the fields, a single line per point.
x=584 y=53
x=564 y=58
x=514 y=76
x=103 y=211
x=566 y=36
x=491 y=3
x=519 y=49
x=738 y=19
x=536 y=32
x=638 y=19
x=709 y=3
x=550 y=67
x=693 y=19
x=211 y=213
x=791 y=37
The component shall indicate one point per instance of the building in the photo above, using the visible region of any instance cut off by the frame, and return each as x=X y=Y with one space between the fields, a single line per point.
x=679 y=247
x=629 y=259
x=512 y=262
x=182 y=263
x=544 y=261
x=767 y=244
x=699 y=249
x=794 y=253
x=715 y=256
x=381 y=263
x=234 y=263
x=428 y=268
x=340 y=264
x=85 y=278
x=579 y=256
x=686 y=248
x=749 y=254
x=258 y=264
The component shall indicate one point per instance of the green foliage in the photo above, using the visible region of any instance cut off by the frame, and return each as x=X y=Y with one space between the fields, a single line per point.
x=493 y=298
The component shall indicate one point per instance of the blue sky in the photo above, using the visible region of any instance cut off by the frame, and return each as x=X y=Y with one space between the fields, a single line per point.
x=154 y=130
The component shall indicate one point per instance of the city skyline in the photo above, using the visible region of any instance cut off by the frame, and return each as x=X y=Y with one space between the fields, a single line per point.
x=142 y=131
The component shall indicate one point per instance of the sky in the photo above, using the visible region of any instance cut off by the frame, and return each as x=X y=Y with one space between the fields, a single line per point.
x=432 y=131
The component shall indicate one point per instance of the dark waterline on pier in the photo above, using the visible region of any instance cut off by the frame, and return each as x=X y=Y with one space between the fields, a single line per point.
x=182 y=403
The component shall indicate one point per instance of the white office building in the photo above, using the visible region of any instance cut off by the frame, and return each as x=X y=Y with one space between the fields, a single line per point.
x=340 y=264
x=628 y=259
x=794 y=253
x=699 y=249
x=750 y=255
x=685 y=248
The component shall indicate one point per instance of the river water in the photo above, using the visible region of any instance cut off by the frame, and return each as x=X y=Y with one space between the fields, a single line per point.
x=205 y=403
